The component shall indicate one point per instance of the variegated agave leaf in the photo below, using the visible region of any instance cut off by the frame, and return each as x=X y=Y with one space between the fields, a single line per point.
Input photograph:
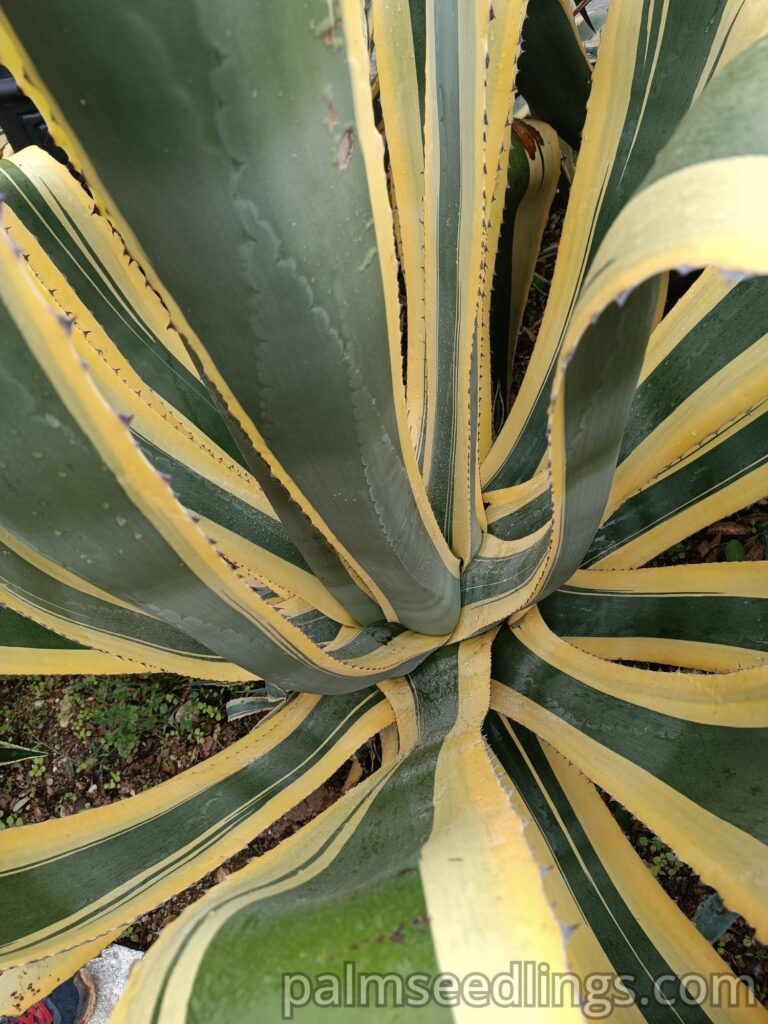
x=216 y=462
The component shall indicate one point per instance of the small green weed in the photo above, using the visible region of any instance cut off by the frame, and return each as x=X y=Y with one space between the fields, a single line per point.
x=115 y=714
x=662 y=858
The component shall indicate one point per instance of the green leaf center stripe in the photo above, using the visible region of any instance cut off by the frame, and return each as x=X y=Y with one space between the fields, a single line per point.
x=524 y=520
x=10 y=753
x=208 y=499
x=73 y=255
x=418 y=15
x=722 y=465
x=725 y=332
x=700 y=617
x=53 y=597
x=368 y=640
x=599 y=382
x=19 y=631
x=447 y=156
x=491 y=578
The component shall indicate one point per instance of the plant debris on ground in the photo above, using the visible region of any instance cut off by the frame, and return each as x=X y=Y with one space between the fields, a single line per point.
x=732 y=936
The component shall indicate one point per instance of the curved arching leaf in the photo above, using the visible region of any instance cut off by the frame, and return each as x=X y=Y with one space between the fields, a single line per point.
x=708 y=617
x=655 y=742
x=694 y=450
x=66 y=881
x=632 y=954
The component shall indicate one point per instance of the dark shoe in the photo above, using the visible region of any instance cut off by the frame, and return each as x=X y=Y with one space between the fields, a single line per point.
x=73 y=1002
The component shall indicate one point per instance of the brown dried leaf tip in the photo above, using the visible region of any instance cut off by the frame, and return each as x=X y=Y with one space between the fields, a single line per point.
x=528 y=135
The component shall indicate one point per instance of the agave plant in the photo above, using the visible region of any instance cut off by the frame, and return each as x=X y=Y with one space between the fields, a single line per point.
x=256 y=425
